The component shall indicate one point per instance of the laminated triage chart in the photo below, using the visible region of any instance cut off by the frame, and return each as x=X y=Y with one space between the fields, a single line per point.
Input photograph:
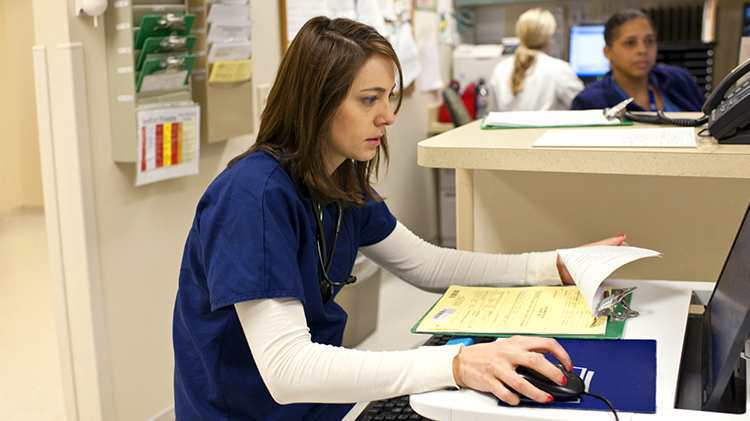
x=168 y=142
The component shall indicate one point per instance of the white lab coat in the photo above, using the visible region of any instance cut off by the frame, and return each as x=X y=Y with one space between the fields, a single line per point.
x=550 y=84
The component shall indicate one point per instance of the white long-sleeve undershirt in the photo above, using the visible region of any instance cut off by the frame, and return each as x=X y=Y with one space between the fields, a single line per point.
x=295 y=369
x=434 y=268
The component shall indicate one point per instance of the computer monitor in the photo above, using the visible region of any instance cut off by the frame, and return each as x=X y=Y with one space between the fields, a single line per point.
x=746 y=20
x=586 y=52
x=726 y=323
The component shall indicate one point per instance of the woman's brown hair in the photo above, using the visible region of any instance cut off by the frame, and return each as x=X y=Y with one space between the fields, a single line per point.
x=313 y=80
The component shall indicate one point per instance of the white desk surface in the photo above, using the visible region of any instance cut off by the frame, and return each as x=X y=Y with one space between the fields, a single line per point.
x=663 y=307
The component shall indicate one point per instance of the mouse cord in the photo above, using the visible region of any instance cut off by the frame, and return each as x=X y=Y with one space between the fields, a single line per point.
x=605 y=401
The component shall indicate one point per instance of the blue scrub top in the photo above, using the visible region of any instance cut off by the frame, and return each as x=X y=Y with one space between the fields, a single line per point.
x=666 y=103
x=253 y=237
x=677 y=87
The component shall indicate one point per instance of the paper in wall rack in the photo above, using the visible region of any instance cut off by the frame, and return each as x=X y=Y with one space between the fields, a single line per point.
x=231 y=71
x=161 y=74
x=222 y=78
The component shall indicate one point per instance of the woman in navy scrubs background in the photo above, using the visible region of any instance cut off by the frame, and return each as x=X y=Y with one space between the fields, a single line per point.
x=257 y=331
x=630 y=41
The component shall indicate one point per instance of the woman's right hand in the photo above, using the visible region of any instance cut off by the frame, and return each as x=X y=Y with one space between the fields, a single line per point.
x=563 y=271
x=490 y=367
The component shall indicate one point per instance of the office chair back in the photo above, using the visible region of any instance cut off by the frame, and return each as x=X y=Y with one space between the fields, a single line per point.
x=456 y=108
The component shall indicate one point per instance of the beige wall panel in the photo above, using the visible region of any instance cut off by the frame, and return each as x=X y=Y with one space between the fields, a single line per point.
x=691 y=221
x=20 y=171
x=8 y=193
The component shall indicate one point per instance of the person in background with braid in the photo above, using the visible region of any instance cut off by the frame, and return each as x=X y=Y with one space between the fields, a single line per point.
x=531 y=80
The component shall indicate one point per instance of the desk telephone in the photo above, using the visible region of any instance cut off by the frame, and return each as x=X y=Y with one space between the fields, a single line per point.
x=727 y=112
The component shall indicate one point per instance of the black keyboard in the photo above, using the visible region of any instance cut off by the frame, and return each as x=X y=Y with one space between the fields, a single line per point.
x=398 y=408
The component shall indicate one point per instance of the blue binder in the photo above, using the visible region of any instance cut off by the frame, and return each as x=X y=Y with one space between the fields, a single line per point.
x=622 y=371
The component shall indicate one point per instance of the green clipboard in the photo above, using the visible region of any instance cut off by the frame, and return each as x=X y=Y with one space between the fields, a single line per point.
x=161 y=26
x=168 y=66
x=171 y=44
x=614 y=329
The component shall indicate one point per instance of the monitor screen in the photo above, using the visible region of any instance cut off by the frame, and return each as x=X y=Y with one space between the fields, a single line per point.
x=586 y=52
x=729 y=318
x=746 y=21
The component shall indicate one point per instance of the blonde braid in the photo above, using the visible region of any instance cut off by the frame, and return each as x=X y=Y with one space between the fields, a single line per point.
x=534 y=28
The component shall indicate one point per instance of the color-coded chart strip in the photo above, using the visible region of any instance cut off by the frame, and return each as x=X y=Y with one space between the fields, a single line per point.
x=167 y=144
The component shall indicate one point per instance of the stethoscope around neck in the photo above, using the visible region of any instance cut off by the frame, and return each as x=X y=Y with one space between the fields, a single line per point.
x=326 y=284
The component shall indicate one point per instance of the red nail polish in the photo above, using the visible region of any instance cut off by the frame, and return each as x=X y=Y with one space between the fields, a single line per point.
x=570 y=368
x=564 y=380
x=549 y=399
x=621 y=236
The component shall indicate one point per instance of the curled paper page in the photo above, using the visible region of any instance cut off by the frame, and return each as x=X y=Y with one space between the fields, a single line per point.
x=590 y=266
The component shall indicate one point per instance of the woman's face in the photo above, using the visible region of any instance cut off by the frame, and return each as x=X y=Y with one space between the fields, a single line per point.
x=633 y=52
x=361 y=119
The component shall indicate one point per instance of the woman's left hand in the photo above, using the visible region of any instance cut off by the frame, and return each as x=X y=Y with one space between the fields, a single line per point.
x=565 y=275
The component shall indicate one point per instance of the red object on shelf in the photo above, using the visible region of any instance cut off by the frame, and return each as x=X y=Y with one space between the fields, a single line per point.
x=444 y=116
x=468 y=98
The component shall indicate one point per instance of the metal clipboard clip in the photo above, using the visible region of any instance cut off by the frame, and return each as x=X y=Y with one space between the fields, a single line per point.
x=173 y=42
x=170 y=21
x=614 y=111
x=607 y=307
x=171 y=64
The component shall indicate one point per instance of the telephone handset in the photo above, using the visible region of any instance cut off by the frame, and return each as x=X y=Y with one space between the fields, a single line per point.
x=729 y=112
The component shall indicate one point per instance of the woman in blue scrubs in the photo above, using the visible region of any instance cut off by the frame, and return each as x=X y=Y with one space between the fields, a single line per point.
x=630 y=46
x=257 y=331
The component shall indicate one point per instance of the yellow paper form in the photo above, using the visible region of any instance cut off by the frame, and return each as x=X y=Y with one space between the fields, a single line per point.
x=231 y=71
x=534 y=310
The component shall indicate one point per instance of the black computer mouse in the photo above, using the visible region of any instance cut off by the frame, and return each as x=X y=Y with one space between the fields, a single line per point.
x=572 y=389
